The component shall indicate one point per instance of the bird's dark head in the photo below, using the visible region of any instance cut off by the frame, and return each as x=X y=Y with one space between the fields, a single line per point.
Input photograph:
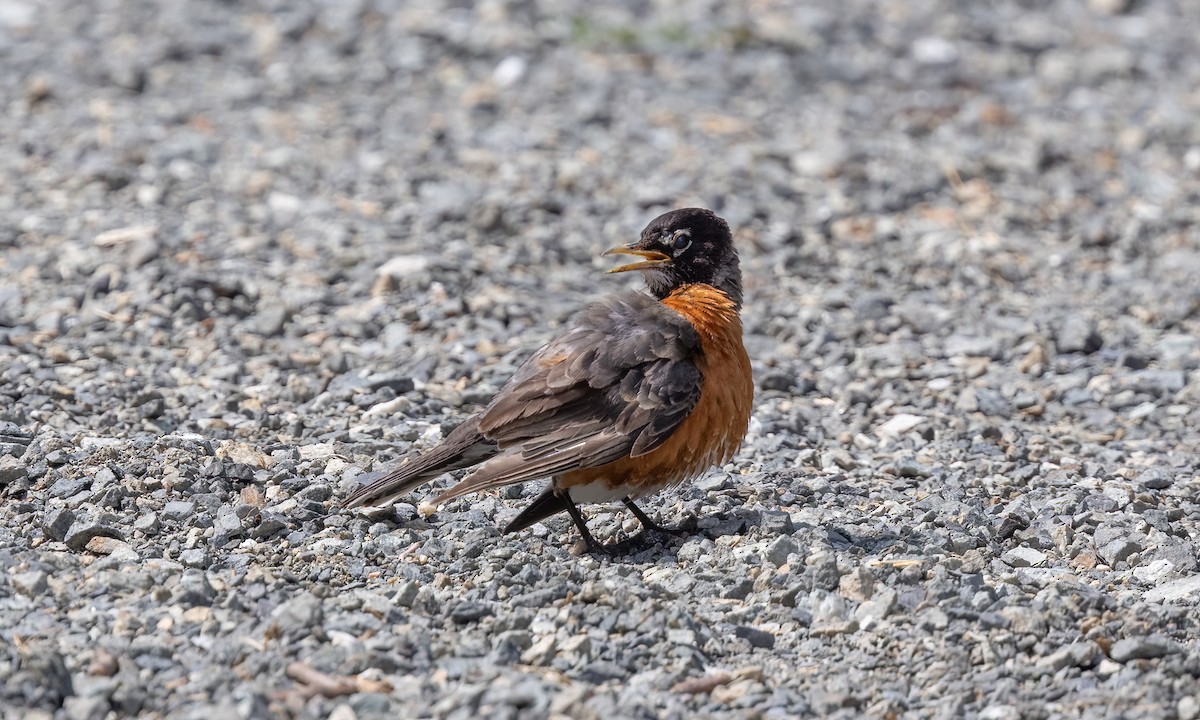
x=691 y=245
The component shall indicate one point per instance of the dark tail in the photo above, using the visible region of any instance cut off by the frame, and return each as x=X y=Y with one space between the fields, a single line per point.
x=462 y=448
x=548 y=504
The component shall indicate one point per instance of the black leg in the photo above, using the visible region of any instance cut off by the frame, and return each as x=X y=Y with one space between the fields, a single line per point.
x=687 y=528
x=643 y=517
x=580 y=523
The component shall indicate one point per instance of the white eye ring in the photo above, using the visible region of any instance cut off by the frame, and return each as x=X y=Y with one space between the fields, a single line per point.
x=681 y=240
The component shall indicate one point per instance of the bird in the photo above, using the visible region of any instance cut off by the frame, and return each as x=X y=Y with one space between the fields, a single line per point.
x=647 y=390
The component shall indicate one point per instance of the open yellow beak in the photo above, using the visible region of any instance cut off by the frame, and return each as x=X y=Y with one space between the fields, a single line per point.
x=653 y=258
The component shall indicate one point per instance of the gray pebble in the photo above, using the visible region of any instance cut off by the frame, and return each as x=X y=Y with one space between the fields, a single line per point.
x=1024 y=557
x=11 y=469
x=1156 y=478
x=147 y=524
x=299 y=614
x=83 y=531
x=780 y=549
x=757 y=638
x=909 y=468
x=1146 y=647
x=1188 y=707
x=195 y=558
x=91 y=707
x=1118 y=551
x=69 y=486
x=179 y=510
x=1077 y=335
x=776 y=523
x=31 y=583
x=57 y=523
x=194 y=589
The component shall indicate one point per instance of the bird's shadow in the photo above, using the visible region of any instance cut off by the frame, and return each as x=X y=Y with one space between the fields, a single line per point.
x=667 y=542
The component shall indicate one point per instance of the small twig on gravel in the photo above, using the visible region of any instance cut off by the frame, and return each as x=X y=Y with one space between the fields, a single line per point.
x=695 y=686
x=900 y=563
x=315 y=682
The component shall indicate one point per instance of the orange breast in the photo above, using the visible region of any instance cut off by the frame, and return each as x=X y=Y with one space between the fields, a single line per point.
x=714 y=430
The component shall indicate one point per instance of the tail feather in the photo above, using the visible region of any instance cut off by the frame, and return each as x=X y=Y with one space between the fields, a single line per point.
x=548 y=504
x=463 y=447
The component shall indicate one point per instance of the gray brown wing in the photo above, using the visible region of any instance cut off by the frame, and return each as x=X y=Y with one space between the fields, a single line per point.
x=615 y=386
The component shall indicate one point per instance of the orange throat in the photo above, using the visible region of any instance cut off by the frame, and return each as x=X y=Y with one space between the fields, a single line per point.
x=713 y=431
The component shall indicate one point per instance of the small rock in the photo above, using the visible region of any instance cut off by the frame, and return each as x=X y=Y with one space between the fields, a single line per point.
x=839 y=458
x=300 y=614
x=1146 y=647
x=757 y=638
x=540 y=652
x=934 y=619
x=776 y=522
x=858 y=584
x=1110 y=7
x=102 y=545
x=195 y=558
x=909 y=468
x=58 y=458
x=69 y=487
x=343 y=712
x=934 y=50
x=1155 y=571
x=1118 y=551
x=777 y=380
x=147 y=524
x=103 y=664
x=1156 y=478
x=733 y=692
x=407 y=594
x=1000 y=712
x=30 y=583
x=467 y=612
x=269 y=523
x=227 y=521
x=1083 y=654
x=81 y=533
x=576 y=648
x=194 y=590
x=1181 y=589
x=990 y=402
x=270 y=320
x=1078 y=335
x=898 y=425
x=738 y=590
x=877 y=608
x=509 y=71
x=57 y=523
x=11 y=469
x=778 y=551
x=824 y=569
x=1188 y=707
x=179 y=510
x=712 y=482
x=404 y=266
x=398 y=382
x=1024 y=557
x=86 y=707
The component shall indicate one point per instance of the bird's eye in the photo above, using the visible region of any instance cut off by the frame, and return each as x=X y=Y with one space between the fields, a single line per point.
x=682 y=240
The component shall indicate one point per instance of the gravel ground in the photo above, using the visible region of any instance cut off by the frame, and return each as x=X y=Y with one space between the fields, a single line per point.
x=253 y=252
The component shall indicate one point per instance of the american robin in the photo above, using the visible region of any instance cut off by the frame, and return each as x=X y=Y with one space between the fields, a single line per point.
x=646 y=391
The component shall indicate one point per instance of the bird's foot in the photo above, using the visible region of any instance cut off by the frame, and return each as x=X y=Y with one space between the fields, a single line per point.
x=620 y=548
